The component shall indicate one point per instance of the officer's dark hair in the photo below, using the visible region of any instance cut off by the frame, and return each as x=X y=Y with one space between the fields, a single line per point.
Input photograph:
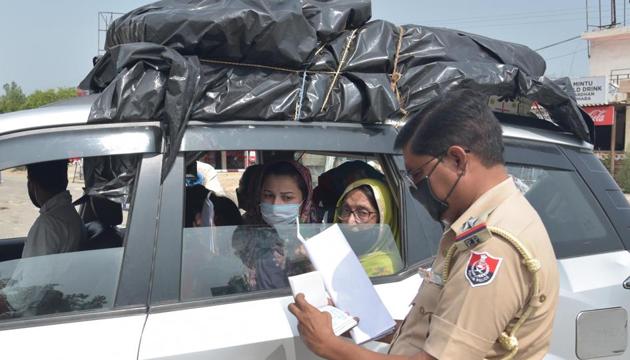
x=52 y=176
x=460 y=117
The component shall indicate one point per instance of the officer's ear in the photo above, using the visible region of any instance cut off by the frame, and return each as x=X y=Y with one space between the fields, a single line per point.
x=459 y=155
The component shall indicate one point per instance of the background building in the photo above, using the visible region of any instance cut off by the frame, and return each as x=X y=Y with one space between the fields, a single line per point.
x=604 y=94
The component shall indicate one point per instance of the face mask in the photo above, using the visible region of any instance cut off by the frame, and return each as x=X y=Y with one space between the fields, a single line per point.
x=31 y=194
x=280 y=214
x=423 y=192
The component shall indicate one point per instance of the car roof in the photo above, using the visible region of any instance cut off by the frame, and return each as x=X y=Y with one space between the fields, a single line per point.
x=75 y=111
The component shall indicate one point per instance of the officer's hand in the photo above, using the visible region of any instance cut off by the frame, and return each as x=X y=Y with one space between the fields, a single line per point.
x=314 y=326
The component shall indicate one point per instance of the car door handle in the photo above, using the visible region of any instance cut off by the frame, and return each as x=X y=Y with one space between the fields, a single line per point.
x=626 y=283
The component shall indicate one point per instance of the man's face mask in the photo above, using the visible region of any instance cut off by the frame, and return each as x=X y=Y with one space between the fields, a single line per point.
x=31 y=193
x=279 y=214
x=423 y=192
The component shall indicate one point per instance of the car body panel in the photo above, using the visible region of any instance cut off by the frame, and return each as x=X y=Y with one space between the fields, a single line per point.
x=229 y=331
x=588 y=283
x=106 y=339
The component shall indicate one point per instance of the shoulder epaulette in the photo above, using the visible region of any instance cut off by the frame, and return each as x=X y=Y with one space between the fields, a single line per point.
x=473 y=237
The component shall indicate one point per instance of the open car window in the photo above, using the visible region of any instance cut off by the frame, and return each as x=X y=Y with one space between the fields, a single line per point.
x=222 y=255
x=58 y=258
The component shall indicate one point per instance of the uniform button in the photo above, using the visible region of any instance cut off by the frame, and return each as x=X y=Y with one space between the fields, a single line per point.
x=542 y=298
x=422 y=310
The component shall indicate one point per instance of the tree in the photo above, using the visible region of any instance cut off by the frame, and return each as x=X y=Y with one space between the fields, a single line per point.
x=43 y=97
x=13 y=98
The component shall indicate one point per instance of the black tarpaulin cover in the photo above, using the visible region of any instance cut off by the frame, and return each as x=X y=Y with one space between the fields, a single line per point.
x=310 y=60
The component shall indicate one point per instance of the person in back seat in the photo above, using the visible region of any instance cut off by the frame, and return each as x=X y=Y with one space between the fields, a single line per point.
x=58 y=228
x=247 y=188
x=196 y=195
x=102 y=231
x=225 y=211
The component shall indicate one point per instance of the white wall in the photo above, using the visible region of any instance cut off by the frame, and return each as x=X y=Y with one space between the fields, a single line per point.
x=609 y=53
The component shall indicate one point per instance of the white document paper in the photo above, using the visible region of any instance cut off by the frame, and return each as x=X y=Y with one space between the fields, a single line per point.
x=312 y=286
x=347 y=283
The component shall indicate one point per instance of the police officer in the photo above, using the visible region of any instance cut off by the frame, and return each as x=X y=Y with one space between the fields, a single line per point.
x=493 y=287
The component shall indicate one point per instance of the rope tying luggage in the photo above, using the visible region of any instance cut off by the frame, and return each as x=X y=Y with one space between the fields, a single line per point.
x=396 y=75
x=338 y=71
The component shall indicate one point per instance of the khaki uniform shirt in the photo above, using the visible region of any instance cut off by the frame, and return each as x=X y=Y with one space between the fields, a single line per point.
x=463 y=317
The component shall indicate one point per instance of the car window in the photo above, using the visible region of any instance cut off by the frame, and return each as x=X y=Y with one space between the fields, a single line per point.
x=226 y=260
x=60 y=257
x=223 y=254
x=574 y=220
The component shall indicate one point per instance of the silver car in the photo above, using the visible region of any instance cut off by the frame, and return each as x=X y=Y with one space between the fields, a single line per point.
x=177 y=292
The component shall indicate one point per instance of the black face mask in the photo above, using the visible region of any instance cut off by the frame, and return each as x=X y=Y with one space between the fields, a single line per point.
x=423 y=192
x=31 y=194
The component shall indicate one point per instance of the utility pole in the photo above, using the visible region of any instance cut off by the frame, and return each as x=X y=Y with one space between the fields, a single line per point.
x=613 y=13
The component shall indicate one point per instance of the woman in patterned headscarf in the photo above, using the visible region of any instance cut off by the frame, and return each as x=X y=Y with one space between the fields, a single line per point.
x=284 y=193
x=269 y=250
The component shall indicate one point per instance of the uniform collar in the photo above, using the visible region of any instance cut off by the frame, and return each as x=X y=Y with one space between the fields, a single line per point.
x=61 y=199
x=479 y=211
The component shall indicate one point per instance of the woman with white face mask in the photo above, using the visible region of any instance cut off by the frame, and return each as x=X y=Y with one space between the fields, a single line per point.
x=285 y=193
x=270 y=250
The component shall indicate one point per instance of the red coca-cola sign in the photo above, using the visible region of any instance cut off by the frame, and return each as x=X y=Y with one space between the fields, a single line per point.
x=601 y=115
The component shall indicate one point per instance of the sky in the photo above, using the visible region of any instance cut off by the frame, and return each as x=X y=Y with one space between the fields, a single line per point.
x=48 y=44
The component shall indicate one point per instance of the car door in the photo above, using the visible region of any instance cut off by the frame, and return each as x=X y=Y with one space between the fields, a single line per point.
x=250 y=325
x=93 y=303
x=586 y=217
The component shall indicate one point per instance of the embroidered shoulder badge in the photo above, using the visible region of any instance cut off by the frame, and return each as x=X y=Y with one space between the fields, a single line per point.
x=482 y=268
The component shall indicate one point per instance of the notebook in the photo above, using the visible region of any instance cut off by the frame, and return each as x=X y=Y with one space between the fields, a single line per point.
x=347 y=283
x=312 y=286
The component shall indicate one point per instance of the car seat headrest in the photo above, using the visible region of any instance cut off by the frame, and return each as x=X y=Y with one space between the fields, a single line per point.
x=107 y=211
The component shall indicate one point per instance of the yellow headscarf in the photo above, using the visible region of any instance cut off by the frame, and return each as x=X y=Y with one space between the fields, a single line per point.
x=383 y=258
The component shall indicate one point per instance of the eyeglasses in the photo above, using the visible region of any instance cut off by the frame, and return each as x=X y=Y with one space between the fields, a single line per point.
x=410 y=175
x=361 y=215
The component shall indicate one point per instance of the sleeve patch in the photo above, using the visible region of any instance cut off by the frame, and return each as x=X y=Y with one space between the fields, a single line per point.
x=482 y=268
